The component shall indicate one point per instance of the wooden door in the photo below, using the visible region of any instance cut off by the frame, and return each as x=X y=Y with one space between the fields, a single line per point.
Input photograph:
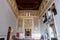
x=8 y=34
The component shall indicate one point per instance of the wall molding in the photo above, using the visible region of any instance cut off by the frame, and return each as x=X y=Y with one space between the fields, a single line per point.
x=46 y=4
x=13 y=6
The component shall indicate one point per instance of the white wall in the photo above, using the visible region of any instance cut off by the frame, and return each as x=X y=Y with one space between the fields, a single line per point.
x=7 y=17
x=57 y=17
x=43 y=26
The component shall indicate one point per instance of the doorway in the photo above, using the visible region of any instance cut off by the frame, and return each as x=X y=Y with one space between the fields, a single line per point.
x=27 y=32
x=8 y=34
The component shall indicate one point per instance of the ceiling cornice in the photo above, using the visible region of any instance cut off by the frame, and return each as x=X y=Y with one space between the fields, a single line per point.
x=32 y=12
x=13 y=5
x=44 y=6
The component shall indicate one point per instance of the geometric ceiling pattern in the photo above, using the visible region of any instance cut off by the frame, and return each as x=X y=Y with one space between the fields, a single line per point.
x=28 y=4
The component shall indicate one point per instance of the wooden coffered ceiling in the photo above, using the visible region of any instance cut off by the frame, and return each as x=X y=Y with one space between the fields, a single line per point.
x=22 y=5
x=28 y=4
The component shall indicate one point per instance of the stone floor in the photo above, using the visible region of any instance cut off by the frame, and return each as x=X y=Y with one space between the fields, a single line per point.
x=28 y=38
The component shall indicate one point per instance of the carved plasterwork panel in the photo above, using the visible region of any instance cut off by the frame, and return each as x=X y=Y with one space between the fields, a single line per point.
x=35 y=22
x=36 y=28
x=27 y=23
x=43 y=4
x=20 y=22
x=20 y=25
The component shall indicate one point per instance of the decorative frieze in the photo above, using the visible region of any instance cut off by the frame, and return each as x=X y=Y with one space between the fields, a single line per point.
x=32 y=12
x=44 y=6
x=13 y=6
